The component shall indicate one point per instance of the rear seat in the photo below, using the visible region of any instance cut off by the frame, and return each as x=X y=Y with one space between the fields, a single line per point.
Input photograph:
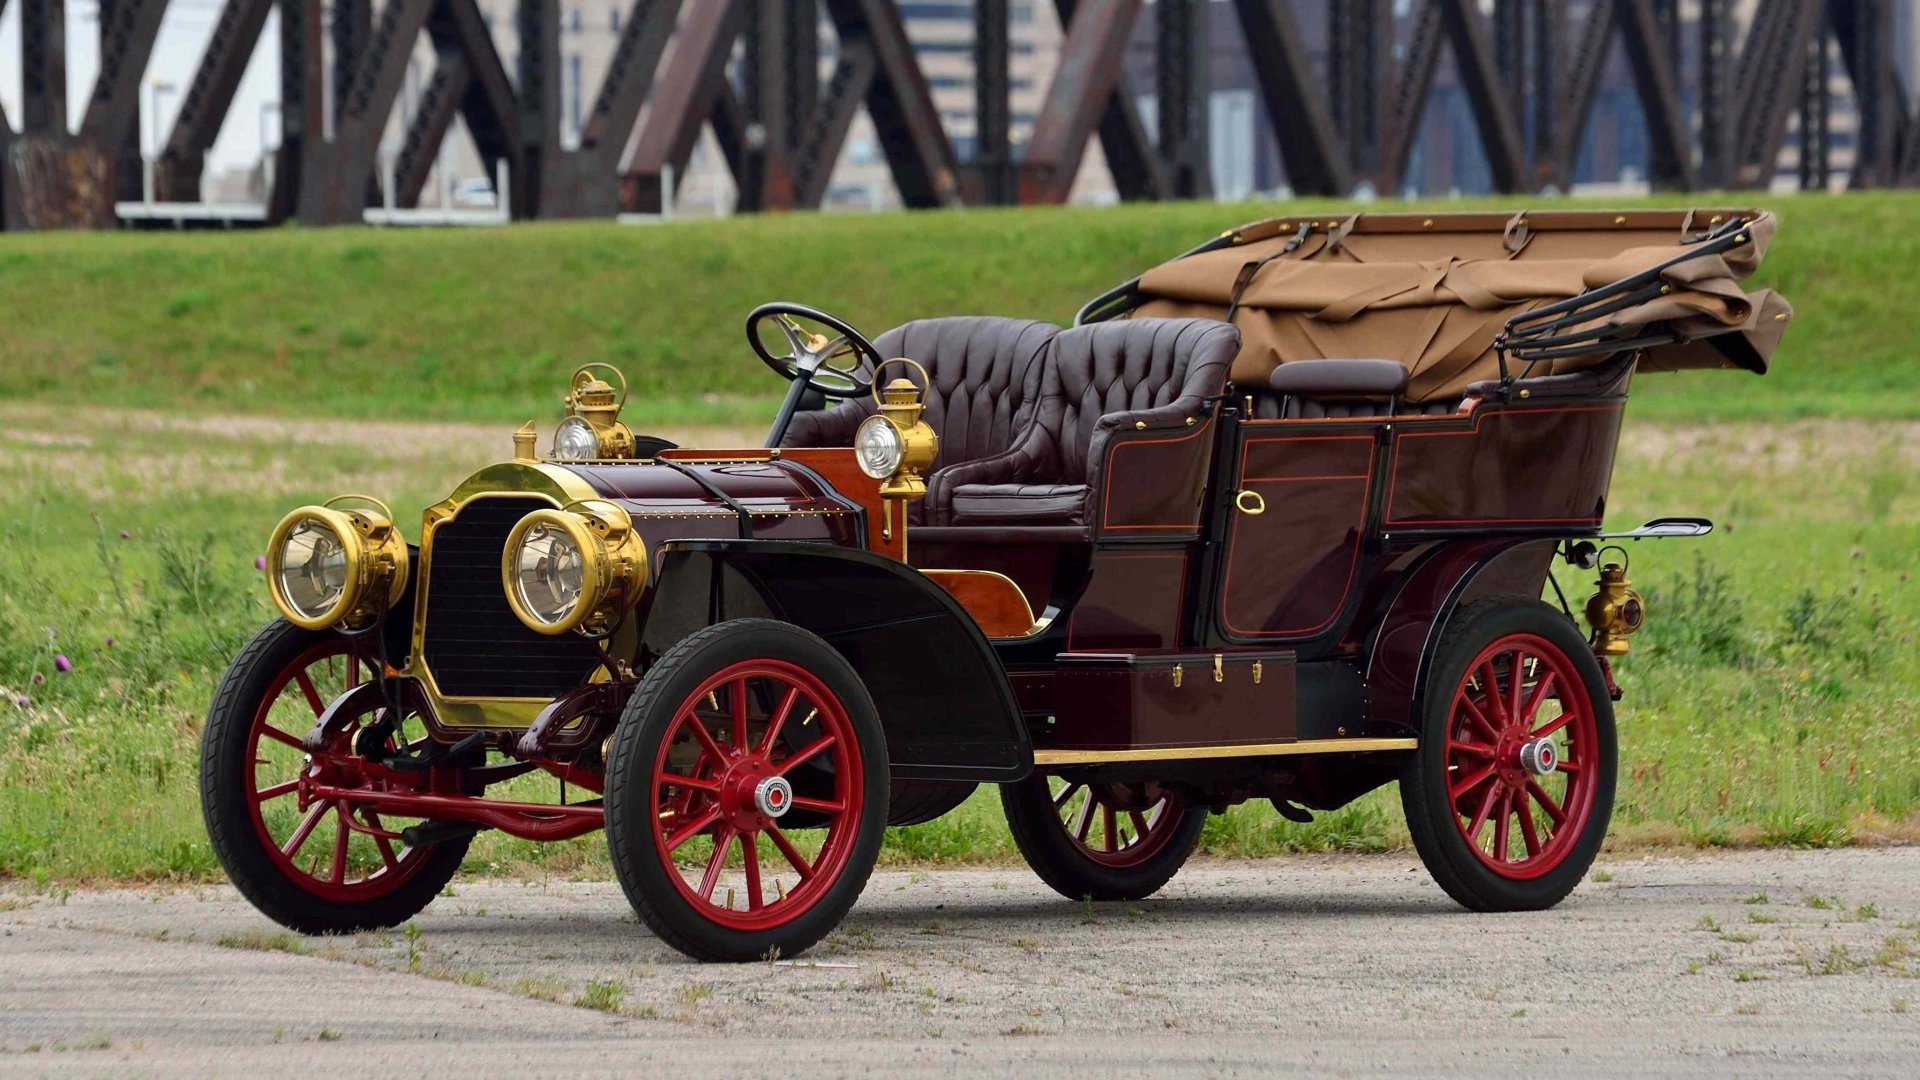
x=1323 y=389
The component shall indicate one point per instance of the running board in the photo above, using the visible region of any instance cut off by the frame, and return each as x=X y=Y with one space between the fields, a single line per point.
x=1237 y=750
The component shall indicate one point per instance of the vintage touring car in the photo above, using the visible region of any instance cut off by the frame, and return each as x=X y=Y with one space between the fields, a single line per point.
x=1272 y=521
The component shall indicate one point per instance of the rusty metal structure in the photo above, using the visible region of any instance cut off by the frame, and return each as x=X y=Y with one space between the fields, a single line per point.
x=1345 y=105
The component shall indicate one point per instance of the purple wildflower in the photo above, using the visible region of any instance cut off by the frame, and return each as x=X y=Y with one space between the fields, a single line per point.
x=38 y=678
x=125 y=535
x=109 y=640
x=62 y=664
x=22 y=700
x=259 y=562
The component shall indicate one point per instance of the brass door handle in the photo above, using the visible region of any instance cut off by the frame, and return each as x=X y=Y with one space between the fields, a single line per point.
x=1250 y=503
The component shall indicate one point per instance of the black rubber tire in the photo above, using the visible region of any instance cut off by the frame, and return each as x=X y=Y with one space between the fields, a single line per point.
x=223 y=756
x=915 y=802
x=1423 y=784
x=1054 y=855
x=636 y=744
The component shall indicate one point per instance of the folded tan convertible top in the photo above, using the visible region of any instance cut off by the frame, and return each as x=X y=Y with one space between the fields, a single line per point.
x=1434 y=290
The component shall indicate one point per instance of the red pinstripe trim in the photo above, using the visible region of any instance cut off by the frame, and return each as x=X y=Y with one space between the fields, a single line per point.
x=1353 y=565
x=1113 y=450
x=1393 y=470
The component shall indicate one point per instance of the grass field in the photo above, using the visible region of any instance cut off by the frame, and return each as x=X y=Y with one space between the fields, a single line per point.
x=160 y=414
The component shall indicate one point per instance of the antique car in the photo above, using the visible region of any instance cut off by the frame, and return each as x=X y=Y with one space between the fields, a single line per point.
x=1272 y=521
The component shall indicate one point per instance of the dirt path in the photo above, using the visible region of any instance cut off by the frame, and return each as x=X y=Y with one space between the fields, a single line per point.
x=1324 y=965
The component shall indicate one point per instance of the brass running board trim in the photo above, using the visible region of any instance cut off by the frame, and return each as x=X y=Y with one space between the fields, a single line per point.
x=1196 y=753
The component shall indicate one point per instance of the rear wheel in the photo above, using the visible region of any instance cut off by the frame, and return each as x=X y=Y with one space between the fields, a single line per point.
x=1510 y=792
x=1101 y=840
x=746 y=792
x=315 y=866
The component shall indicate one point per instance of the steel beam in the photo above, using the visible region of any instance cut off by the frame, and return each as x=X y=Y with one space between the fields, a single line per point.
x=1310 y=146
x=1181 y=77
x=915 y=142
x=1088 y=72
x=683 y=97
x=1411 y=87
x=1716 y=54
x=1646 y=33
x=826 y=130
x=336 y=175
x=197 y=124
x=992 y=96
x=432 y=120
x=43 y=67
x=487 y=102
x=1480 y=77
x=1776 y=45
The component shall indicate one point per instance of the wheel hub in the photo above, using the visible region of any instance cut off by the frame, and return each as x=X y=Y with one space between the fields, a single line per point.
x=773 y=796
x=1539 y=756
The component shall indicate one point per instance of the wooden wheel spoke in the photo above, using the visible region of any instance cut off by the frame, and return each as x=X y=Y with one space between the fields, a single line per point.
x=279 y=736
x=750 y=854
x=337 y=873
x=1139 y=824
x=1501 y=825
x=722 y=840
x=1111 y=825
x=1066 y=793
x=1480 y=815
x=1542 y=690
x=1478 y=718
x=1490 y=686
x=1472 y=781
x=312 y=695
x=1565 y=766
x=701 y=735
x=307 y=825
x=820 y=806
x=779 y=719
x=1551 y=726
x=1553 y=809
x=688 y=782
x=1529 y=831
x=1084 y=820
x=793 y=856
x=810 y=750
x=268 y=794
x=1470 y=749
x=740 y=714
x=1516 y=684
x=696 y=827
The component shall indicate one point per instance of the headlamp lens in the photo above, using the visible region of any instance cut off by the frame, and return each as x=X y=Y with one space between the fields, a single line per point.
x=550 y=573
x=575 y=440
x=313 y=568
x=877 y=445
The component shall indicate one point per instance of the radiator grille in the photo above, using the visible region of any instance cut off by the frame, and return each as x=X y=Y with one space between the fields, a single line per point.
x=474 y=643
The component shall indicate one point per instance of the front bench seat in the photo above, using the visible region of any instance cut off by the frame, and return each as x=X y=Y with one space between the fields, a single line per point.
x=1098 y=379
x=986 y=374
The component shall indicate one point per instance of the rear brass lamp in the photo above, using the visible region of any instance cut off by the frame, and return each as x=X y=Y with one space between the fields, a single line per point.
x=579 y=567
x=336 y=567
x=1615 y=610
x=592 y=430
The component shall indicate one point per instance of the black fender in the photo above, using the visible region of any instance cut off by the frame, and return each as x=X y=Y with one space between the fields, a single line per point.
x=945 y=702
x=1407 y=629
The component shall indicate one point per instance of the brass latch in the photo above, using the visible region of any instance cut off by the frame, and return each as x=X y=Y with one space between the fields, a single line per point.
x=1256 y=673
x=1176 y=674
x=1219 y=672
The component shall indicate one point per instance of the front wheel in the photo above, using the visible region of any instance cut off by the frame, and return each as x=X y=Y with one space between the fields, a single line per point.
x=1103 y=841
x=317 y=866
x=746 y=792
x=1508 y=797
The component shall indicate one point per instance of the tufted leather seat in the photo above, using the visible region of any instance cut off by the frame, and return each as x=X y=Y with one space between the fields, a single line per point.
x=986 y=374
x=1098 y=380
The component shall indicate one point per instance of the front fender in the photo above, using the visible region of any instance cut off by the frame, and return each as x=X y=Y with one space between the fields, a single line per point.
x=945 y=703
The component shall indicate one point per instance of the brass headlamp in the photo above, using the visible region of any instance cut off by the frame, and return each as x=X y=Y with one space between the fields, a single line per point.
x=1616 y=610
x=592 y=430
x=333 y=567
x=579 y=567
x=895 y=446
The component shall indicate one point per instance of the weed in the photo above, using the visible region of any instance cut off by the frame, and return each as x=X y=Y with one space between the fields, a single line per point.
x=545 y=988
x=1761 y=917
x=264 y=941
x=1603 y=876
x=608 y=996
x=1756 y=898
x=1821 y=903
x=1707 y=923
x=329 y=1035
x=694 y=993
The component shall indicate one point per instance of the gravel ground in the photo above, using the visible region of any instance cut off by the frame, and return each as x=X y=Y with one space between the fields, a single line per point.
x=1749 y=964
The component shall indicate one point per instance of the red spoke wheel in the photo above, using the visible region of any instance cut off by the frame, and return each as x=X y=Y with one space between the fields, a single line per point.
x=314 y=865
x=746 y=792
x=1106 y=841
x=1509 y=795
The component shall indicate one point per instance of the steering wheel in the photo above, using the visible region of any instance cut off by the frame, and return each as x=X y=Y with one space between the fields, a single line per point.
x=839 y=364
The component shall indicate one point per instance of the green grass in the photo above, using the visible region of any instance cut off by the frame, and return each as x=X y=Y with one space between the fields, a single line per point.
x=484 y=324
x=1773 y=699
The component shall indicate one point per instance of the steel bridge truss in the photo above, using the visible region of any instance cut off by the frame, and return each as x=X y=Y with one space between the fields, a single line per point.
x=1717 y=114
